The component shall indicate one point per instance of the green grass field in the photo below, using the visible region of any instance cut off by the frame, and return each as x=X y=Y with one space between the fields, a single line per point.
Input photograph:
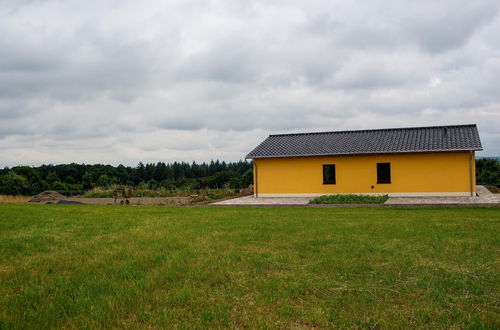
x=69 y=266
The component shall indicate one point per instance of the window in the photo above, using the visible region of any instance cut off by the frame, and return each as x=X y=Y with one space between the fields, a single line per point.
x=329 y=174
x=383 y=172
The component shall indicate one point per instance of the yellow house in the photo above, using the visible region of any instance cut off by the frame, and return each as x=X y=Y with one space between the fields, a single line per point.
x=416 y=161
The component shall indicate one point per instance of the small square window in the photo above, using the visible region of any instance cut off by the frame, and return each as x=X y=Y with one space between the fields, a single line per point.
x=383 y=172
x=329 y=174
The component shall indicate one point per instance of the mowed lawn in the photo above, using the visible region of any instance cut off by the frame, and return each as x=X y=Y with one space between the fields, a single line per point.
x=78 y=266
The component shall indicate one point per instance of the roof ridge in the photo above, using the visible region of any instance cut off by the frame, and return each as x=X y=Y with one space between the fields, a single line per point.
x=376 y=129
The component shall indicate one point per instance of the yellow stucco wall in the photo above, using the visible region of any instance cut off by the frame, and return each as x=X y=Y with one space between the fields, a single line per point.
x=443 y=172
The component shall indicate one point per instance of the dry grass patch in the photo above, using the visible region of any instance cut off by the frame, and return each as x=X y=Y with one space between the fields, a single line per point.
x=14 y=199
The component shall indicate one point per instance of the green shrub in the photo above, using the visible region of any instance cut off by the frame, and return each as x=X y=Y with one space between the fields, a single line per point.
x=99 y=192
x=349 y=199
x=142 y=191
x=217 y=193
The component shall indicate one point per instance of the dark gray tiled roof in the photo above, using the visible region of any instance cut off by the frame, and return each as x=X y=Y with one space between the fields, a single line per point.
x=392 y=140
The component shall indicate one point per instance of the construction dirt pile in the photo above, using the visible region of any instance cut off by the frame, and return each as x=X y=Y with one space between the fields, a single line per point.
x=47 y=196
x=246 y=191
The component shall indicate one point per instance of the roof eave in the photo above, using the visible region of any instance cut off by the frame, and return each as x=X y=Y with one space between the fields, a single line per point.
x=363 y=153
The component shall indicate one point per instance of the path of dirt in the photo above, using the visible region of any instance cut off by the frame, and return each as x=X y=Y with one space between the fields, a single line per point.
x=134 y=200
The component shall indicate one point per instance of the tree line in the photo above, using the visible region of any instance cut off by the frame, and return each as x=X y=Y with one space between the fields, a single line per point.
x=488 y=171
x=73 y=179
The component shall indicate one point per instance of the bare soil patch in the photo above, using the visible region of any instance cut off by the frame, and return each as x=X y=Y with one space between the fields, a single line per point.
x=134 y=200
x=53 y=197
x=493 y=189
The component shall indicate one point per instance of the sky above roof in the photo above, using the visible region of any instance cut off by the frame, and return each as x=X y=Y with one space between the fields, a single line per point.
x=128 y=81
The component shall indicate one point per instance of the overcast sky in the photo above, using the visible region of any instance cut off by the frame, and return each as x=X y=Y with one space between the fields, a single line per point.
x=128 y=81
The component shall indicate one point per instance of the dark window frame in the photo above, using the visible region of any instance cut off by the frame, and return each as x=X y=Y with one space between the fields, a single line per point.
x=325 y=181
x=381 y=178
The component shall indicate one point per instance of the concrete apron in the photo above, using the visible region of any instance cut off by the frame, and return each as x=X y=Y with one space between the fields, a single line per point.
x=484 y=198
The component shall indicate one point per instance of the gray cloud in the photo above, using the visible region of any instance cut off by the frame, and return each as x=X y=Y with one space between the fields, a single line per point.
x=119 y=81
x=437 y=26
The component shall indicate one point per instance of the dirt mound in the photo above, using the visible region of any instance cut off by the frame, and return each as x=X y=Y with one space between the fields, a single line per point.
x=47 y=196
x=246 y=191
